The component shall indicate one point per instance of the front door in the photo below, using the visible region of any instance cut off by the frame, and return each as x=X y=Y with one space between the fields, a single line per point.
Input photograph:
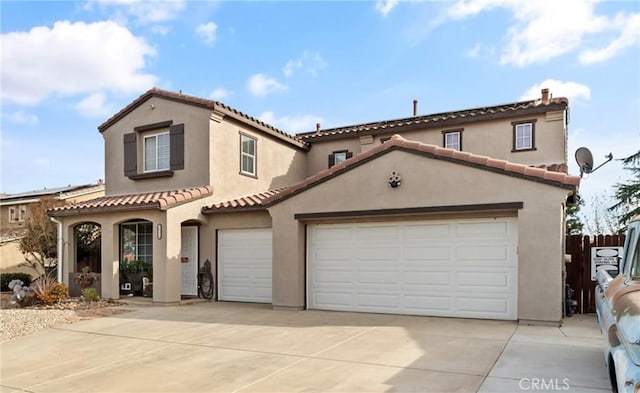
x=189 y=260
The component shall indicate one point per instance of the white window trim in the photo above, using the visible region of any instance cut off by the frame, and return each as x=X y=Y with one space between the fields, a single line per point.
x=144 y=152
x=243 y=138
x=522 y=138
x=12 y=214
x=457 y=144
x=21 y=216
x=342 y=155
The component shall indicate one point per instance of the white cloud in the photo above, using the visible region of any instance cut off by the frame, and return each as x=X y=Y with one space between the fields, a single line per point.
x=260 y=85
x=207 y=31
x=73 y=58
x=384 y=7
x=94 y=105
x=160 y=30
x=570 y=90
x=629 y=36
x=291 y=124
x=542 y=31
x=144 y=12
x=474 y=52
x=220 y=93
x=310 y=62
x=21 y=117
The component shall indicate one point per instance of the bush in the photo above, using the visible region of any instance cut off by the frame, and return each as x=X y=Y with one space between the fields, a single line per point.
x=6 y=278
x=90 y=295
x=48 y=290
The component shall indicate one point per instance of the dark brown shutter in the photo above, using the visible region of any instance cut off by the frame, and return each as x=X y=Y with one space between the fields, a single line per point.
x=176 y=146
x=332 y=160
x=349 y=154
x=130 y=154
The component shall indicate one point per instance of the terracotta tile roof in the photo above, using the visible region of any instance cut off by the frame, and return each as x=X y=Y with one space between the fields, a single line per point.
x=161 y=200
x=436 y=120
x=251 y=202
x=203 y=103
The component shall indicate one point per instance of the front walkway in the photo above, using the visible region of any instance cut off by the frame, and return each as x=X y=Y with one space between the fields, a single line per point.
x=226 y=347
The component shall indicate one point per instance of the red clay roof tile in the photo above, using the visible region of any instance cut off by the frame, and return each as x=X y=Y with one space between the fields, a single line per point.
x=153 y=200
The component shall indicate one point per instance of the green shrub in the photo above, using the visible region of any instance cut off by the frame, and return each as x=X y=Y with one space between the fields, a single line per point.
x=6 y=278
x=90 y=295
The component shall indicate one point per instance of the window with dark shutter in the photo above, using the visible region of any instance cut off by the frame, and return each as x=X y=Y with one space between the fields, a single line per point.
x=339 y=156
x=176 y=146
x=130 y=154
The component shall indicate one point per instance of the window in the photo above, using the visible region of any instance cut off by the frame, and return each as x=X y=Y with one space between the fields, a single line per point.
x=247 y=155
x=22 y=213
x=156 y=152
x=452 y=139
x=136 y=242
x=12 y=214
x=162 y=150
x=524 y=135
x=339 y=156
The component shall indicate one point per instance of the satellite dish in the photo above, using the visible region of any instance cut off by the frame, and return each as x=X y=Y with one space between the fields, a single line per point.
x=585 y=160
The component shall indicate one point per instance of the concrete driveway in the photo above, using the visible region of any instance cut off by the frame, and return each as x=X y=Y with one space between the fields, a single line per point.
x=226 y=347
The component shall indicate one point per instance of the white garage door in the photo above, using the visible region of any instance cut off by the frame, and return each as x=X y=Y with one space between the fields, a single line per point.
x=462 y=268
x=244 y=268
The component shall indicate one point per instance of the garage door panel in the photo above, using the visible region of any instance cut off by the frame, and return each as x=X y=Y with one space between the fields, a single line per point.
x=463 y=268
x=245 y=271
x=333 y=234
x=426 y=231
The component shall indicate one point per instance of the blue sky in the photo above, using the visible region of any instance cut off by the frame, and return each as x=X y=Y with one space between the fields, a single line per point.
x=68 y=66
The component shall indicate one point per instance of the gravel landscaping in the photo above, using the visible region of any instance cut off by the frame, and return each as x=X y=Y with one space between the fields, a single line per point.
x=16 y=322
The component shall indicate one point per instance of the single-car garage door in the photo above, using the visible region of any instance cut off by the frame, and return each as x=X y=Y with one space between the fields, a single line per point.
x=244 y=265
x=454 y=268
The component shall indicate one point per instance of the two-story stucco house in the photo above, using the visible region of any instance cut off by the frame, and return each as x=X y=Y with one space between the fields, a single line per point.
x=452 y=214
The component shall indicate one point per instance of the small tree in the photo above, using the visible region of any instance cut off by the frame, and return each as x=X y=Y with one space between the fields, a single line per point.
x=39 y=244
x=574 y=223
x=628 y=194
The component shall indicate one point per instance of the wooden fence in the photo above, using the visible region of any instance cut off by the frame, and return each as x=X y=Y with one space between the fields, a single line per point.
x=579 y=270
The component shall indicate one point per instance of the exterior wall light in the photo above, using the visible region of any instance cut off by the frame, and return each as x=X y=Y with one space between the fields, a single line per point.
x=394 y=179
x=159 y=232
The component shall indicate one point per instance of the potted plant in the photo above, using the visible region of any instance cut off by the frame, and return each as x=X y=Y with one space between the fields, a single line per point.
x=133 y=271
x=84 y=278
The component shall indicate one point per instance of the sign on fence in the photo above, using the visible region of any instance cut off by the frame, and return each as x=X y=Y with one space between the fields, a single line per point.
x=608 y=257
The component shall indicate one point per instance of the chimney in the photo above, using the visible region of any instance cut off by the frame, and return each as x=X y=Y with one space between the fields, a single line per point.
x=545 y=96
x=415 y=108
x=317 y=127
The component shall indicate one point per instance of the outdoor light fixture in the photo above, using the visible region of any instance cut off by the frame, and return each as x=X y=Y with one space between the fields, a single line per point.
x=159 y=231
x=394 y=179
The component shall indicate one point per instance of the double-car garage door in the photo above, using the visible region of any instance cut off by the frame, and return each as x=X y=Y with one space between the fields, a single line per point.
x=457 y=268
x=462 y=268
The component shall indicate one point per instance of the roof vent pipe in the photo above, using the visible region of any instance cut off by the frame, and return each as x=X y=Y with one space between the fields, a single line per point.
x=317 y=127
x=415 y=107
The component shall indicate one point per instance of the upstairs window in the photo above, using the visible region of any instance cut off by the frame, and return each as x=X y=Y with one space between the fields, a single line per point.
x=22 y=213
x=12 y=214
x=156 y=152
x=247 y=155
x=452 y=139
x=524 y=135
x=339 y=156
x=162 y=147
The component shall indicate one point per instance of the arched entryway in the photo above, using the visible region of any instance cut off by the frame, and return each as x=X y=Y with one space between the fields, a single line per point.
x=87 y=268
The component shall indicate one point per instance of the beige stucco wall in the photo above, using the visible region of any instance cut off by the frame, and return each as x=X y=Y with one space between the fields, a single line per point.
x=11 y=258
x=430 y=182
x=278 y=164
x=489 y=138
x=196 y=147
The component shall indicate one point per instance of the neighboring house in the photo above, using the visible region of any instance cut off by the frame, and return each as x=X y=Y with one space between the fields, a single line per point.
x=15 y=209
x=453 y=214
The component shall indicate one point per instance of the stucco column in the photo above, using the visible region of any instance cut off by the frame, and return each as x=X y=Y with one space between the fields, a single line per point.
x=110 y=285
x=288 y=260
x=166 y=261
